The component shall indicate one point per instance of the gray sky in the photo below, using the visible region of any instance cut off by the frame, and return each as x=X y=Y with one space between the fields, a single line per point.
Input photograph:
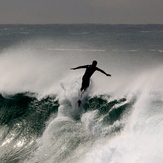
x=81 y=11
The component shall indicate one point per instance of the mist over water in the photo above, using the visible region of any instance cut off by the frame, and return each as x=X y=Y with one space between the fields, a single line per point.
x=121 y=117
x=39 y=69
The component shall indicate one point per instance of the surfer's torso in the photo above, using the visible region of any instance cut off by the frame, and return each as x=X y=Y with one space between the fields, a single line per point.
x=89 y=71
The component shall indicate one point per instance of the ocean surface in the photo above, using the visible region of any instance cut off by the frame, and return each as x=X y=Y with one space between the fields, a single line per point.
x=120 y=119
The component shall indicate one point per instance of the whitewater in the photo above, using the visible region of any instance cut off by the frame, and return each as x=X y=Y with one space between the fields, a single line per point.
x=120 y=119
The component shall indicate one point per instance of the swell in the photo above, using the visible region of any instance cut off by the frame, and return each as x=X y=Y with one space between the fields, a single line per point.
x=24 y=119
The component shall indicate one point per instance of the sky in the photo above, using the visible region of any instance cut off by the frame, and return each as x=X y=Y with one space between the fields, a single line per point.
x=81 y=11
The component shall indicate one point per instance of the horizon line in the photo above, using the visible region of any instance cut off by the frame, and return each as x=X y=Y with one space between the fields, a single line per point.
x=81 y=24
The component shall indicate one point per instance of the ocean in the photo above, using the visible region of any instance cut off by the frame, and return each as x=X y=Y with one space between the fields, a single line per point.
x=120 y=119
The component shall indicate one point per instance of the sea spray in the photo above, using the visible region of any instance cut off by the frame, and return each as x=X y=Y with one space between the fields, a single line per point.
x=119 y=121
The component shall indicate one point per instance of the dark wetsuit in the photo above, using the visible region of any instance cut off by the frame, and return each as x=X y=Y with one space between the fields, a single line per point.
x=90 y=69
x=86 y=77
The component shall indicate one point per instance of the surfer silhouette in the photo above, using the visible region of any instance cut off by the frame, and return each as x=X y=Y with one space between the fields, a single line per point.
x=90 y=69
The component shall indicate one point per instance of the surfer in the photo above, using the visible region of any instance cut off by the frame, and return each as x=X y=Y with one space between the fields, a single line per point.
x=90 y=69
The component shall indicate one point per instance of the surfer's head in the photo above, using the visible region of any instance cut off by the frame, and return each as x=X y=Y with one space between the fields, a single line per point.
x=94 y=63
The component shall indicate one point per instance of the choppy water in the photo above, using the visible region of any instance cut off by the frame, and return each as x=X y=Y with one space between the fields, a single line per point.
x=120 y=119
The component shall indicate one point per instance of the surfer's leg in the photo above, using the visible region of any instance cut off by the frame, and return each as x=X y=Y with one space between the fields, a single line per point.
x=82 y=91
x=85 y=85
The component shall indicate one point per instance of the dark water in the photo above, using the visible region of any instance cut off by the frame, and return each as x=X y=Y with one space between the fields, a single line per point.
x=24 y=119
x=120 y=119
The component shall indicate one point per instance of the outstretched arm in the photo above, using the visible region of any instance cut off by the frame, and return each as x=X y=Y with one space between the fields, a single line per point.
x=79 y=67
x=102 y=71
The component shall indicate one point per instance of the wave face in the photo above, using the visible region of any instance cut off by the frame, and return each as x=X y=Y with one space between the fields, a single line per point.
x=120 y=118
x=23 y=120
